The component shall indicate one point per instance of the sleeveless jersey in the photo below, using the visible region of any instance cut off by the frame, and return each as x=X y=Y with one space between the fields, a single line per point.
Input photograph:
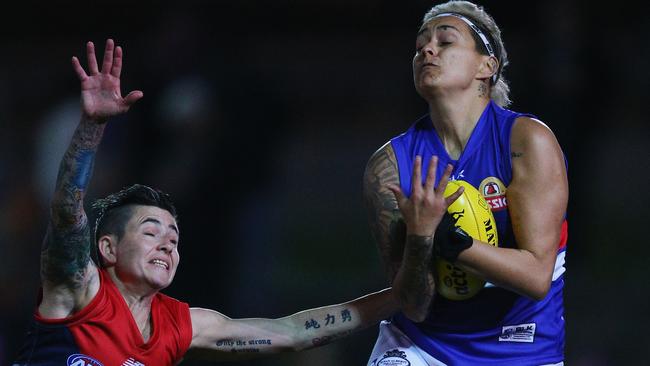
x=496 y=324
x=104 y=333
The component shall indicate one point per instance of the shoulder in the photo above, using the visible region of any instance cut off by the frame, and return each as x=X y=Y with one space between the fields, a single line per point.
x=382 y=164
x=384 y=152
x=172 y=305
x=535 y=152
x=528 y=132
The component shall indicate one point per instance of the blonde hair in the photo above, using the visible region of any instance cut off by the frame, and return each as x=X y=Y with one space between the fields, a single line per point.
x=499 y=91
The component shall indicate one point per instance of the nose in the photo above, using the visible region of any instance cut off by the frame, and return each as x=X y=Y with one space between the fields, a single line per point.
x=429 y=50
x=166 y=246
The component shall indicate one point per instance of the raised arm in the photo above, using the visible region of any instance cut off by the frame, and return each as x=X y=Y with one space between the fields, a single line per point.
x=537 y=201
x=406 y=245
x=68 y=275
x=219 y=338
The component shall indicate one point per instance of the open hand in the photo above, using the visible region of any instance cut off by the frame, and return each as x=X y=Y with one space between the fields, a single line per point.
x=424 y=209
x=100 y=91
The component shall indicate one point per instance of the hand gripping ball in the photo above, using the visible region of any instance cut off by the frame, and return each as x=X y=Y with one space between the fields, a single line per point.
x=473 y=214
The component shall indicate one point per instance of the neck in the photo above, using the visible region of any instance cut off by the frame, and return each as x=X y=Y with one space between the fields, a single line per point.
x=135 y=296
x=138 y=301
x=454 y=120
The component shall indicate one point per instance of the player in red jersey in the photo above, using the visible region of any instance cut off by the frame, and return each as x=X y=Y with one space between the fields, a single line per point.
x=112 y=312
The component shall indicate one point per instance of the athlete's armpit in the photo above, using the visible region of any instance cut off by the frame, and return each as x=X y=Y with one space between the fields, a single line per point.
x=384 y=216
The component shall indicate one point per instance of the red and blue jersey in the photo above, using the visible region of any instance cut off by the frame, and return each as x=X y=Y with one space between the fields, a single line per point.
x=496 y=324
x=104 y=333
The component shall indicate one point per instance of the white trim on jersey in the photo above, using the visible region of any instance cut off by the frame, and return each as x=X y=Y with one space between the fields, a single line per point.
x=393 y=347
x=557 y=271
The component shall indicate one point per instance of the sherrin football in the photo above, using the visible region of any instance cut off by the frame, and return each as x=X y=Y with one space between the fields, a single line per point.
x=473 y=214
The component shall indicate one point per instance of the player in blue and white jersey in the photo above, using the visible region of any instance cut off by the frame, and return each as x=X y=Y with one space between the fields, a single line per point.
x=516 y=162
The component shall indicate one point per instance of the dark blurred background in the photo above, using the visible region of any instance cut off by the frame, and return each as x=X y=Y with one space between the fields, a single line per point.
x=259 y=117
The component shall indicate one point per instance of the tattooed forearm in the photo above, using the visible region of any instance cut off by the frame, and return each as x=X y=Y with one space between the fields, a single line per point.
x=243 y=346
x=320 y=341
x=66 y=248
x=74 y=175
x=384 y=217
x=417 y=288
x=330 y=320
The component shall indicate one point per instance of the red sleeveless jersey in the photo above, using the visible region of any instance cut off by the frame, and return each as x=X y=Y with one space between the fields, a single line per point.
x=105 y=333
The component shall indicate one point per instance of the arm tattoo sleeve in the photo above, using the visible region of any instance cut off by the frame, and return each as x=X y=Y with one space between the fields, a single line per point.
x=66 y=247
x=384 y=217
x=418 y=290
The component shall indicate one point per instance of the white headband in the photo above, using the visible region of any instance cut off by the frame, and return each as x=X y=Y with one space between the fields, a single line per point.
x=478 y=32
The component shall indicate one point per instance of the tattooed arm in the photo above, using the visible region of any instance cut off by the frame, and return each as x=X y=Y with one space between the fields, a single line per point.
x=219 y=338
x=68 y=275
x=385 y=220
x=405 y=244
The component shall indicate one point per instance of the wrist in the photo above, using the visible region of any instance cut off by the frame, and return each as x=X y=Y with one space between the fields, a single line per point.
x=93 y=120
x=450 y=240
x=418 y=246
x=422 y=231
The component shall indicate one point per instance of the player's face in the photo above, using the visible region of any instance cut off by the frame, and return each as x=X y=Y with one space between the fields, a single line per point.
x=446 y=59
x=147 y=254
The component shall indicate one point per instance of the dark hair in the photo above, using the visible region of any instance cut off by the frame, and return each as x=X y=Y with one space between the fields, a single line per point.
x=114 y=211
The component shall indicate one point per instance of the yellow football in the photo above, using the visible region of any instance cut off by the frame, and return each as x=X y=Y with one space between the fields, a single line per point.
x=473 y=214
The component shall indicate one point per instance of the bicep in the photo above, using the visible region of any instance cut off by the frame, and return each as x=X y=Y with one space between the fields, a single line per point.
x=538 y=193
x=69 y=277
x=218 y=337
x=384 y=216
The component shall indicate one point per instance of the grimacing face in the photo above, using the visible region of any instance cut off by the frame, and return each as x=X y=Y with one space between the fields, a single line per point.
x=147 y=254
x=446 y=58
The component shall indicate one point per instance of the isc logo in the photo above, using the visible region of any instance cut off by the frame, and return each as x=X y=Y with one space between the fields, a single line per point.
x=494 y=192
x=82 y=360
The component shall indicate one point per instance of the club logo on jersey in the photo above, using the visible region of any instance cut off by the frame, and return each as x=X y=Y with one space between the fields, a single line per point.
x=394 y=358
x=78 y=359
x=518 y=333
x=132 y=362
x=494 y=192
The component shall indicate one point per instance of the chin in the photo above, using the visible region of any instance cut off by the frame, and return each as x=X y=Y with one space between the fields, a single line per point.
x=159 y=283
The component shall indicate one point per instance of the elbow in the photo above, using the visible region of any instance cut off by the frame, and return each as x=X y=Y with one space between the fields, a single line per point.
x=540 y=290
x=415 y=308
x=294 y=342
x=415 y=316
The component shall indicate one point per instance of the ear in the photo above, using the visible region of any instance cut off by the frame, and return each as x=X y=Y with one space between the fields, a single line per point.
x=489 y=66
x=107 y=245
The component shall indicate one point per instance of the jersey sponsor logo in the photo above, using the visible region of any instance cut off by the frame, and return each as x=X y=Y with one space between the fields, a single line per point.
x=132 y=362
x=518 y=333
x=78 y=359
x=494 y=192
x=393 y=358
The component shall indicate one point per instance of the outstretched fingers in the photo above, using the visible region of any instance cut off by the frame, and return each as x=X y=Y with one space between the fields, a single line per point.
x=133 y=97
x=92 y=61
x=116 y=70
x=445 y=179
x=416 y=179
x=107 y=63
x=81 y=73
x=431 y=174
x=454 y=196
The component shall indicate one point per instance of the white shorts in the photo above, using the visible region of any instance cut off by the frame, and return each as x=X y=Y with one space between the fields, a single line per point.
x=394 y=348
